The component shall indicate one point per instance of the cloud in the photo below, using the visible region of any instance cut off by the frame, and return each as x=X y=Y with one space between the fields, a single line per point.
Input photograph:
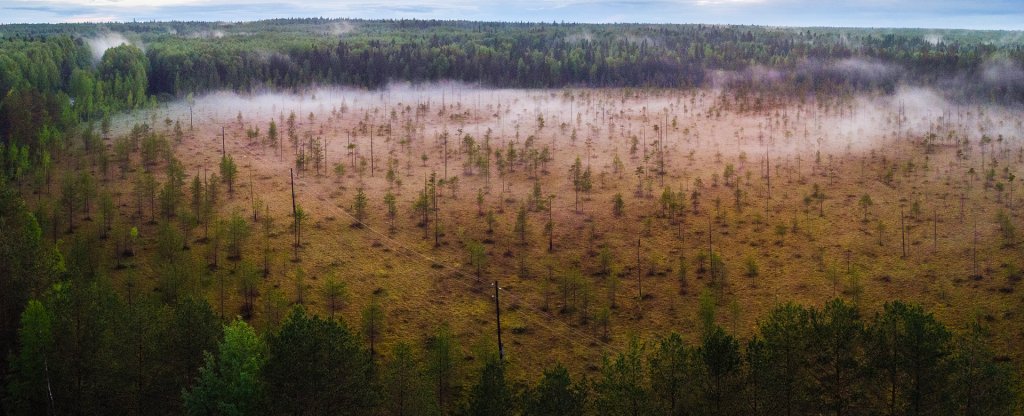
x=726 y=2
x=90 y=18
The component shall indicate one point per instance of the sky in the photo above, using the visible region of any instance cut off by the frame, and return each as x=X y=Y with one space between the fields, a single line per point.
x=940 y=14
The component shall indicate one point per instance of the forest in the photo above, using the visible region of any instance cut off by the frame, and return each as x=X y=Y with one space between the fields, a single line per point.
x=324 y=216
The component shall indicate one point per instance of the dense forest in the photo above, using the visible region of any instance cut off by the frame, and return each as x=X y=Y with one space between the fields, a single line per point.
x=50 y=84
x=191 y=58
x=74 y=342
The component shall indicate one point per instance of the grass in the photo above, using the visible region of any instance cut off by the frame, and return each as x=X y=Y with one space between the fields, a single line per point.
x=422 y=285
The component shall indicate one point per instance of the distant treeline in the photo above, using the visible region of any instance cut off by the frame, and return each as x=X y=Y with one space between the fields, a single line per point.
x=49 y=82
x=197 y=57
x=533 y=56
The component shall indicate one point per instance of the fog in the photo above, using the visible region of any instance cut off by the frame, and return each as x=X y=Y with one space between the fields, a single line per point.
x=875 y=119
x=933 y=38
x=99 y=44
x=610 y=117
x=757 y=74
x=207 y=34
x=1002 y=72
x=867 y=69
x=342 y=28
x=856 y=69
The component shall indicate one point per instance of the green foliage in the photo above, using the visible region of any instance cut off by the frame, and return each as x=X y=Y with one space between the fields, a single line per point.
x=492 y=394
x=706 y=310
x=359 y=206
x=618 y=205
x=316 y=366
x=752 y=270
x=605 y=260
x=172 y=191
x=682 y=272
x=477 y=256
x=228 y=171
x=28 y=265
x=784 y=360
x=84 y=348
x=521 y=225
x=70 y=195
x=865 y=203
x=837 y=359
x=273 y=140
x=236 y=232
x=671 y=385
x=556 y=394
x=103 y=352
x=621 y=389
x=373 y=323
x=523 y=55
x=28 y=389
x=403 y=386
x=780 y=231
x=248 y=278
x=980 y=384
x=153 y=146
x=123 y=71
x=168 y=244
x=576 y=292
x=1006 y=228
x=299 y=217
x=229 y=383
x=909 y=349
x=718 y=369
x=443 y=367
x=392 y=206
x=719 y=273
x=335 y=294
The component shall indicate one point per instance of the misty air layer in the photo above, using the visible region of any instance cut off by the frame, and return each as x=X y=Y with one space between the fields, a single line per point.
x=322 y=216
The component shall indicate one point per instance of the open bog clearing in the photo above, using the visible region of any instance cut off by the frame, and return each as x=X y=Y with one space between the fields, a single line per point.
x=868 y=198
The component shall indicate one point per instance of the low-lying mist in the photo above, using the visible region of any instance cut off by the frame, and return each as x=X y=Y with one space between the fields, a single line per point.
x=612 y=116
x=99 y=44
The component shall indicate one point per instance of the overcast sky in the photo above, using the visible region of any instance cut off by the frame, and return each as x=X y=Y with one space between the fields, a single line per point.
x=966 y=14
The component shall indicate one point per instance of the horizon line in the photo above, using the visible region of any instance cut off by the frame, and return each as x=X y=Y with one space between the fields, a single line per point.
x=518 y=22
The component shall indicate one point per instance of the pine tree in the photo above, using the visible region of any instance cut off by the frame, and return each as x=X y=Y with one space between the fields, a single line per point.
x=443 y=367
x=671 y=386
x=30 y=380
x=359 y=207
x=404 y=389
x=556 y=394
x=621 y=389
x=521 y=225
x=236 y=232
x=316 y=366
x=335 y=294
x=229 y=382
x=477 y=257
x=373 y=323
x=491 y=396
x=228 y=171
